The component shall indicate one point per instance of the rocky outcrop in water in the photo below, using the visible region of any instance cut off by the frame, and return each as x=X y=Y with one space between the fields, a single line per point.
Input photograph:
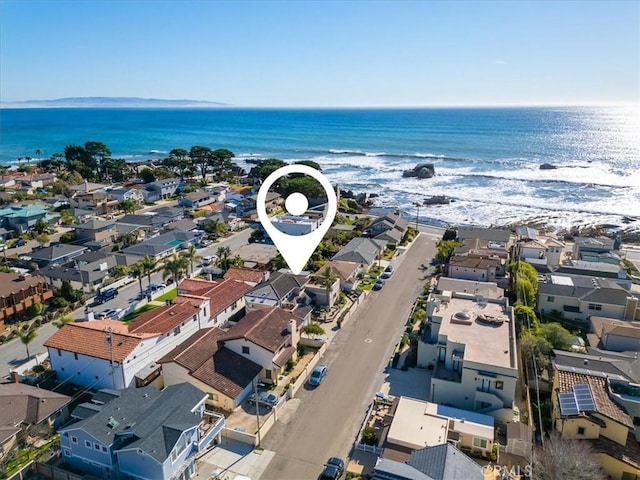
x=437 y=200
x=547 y=166
x=422 y=170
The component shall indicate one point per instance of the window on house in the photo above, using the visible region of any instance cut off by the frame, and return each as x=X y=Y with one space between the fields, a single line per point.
x=104 y=449
x=87 y=443
x=213 y=397
x=267 y=373
x=176 y=330
x=74 y=439
x=235 y=304
x=59 y=352
x=479 y=442
x=245 y=350
x=595 y=306
x=66 y=452
x=551 y=299
x=499 y=384
x=581 y=430
x=75 y=356
x=96 y=446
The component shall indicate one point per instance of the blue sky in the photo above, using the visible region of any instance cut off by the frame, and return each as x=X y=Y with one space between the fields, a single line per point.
x=325 y=53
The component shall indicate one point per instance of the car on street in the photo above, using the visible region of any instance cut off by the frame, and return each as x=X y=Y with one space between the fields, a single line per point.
x=379 y=284
x=21 y=242
x=105 y=295
x=114 y=313
x=318 y=375
x=208 y=260
x=333 y=469
x=264 y=398
x=3 y=247
x=387 y=272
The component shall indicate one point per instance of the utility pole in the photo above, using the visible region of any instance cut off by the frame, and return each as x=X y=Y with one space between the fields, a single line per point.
x=109 y=331
x=416 y=204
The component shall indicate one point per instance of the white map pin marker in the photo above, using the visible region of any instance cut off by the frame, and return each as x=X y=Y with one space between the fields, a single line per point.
x=296 y=250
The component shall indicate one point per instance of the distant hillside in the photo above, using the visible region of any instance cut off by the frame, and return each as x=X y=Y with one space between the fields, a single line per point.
x=124 y=102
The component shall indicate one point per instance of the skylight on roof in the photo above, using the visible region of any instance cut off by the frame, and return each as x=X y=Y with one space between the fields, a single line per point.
x=561 y=280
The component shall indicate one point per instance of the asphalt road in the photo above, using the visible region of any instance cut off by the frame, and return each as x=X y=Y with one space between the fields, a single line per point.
x=328 y=418
x=13 y=353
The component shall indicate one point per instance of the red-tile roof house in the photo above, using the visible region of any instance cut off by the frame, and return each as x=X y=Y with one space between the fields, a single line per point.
x=583 y=410
x=248 y=275
x=201 y=360
x=226 y=298
x=268 y=337
x=109 y=354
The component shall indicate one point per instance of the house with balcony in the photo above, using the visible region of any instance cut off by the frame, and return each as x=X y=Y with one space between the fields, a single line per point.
x=596 y=249
x=389 y=228
x=18 y=292
x=247 y=205
x=539 y=248
x=143 y=433
x=346 y=272
x=226 y=298
x=111 y=354
x=475 y=268
x=583 y=409
x=417 y=424
x=282 y=290
x=86 y=272
x=100 y=203
x=470 y=344
x=268 y=337
x=103 y=232
x=578 y=297
x=162 y=189
x=197 y=199
x=21 y=219
x=226 y=376
x=126 y=193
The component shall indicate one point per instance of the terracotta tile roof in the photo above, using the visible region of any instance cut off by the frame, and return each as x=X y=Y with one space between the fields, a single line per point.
x=12 y=283
x=266 y=327
x=245 y=275
x=221 y=294
x=163 y=320
x=89 y=338
x=216 y=366
x=604 y=405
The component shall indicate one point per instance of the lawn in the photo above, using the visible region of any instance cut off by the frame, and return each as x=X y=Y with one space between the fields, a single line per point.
x=170 y=295
x=139 y=311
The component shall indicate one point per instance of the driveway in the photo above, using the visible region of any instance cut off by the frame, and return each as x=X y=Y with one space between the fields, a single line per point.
x=329 y=417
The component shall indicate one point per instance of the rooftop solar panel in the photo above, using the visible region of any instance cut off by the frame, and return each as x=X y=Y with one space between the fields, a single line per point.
x=584 y=398
x=568 y=405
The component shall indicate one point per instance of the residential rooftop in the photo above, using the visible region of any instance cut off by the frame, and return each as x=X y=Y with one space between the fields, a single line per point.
x=485 y=343
x=13 y=283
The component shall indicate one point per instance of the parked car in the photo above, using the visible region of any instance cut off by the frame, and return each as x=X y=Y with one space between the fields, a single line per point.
x=106 y=295
x=379 y=284
x=333 y=469
x=21 y=242
x=115 y=313
x=264 y=398
x=318 y=375
x=208 y=260
x=3 y=247
x=387 y=272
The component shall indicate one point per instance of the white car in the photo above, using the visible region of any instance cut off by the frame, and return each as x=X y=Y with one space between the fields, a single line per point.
x=113 y=313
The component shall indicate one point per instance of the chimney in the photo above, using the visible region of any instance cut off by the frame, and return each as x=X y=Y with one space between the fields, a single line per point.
x=292 y=328
x=15 y=376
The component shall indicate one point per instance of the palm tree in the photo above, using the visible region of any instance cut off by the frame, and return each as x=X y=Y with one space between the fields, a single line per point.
x=26 y=338
x=149 y=265
x=39 y=154
x=190 y=256
x=62 y=321
x=223 y=254
x=174 y=267
x=137 y=271
x=327 y=279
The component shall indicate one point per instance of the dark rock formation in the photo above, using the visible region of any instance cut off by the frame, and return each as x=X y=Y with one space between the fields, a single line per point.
x=422 y=170
x=547 y=166
x=437 y=200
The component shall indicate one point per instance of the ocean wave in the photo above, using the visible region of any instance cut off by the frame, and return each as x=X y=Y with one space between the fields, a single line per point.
x=158 y=152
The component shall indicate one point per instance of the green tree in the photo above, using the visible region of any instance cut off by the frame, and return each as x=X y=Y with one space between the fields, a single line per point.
x=309 y=163
x=532 y=346
x=120 y=271
x=40 y=227
x=266 y=167
x=526 y=291
x=67 y=218
x=221 y=163
x=191 y=255
x=449 y=234
x=68 y=237
x=35 y=309
x=313 y=330
x=146 y=174
x=62 y=321
x=174 y=268
x=26 y=338
x=327 y=280
x=445 y=249
x=202 y=157
x=70 y=294
x=525 y=316
x=223 y=254
x=98 y=152
x=149 y=266
x=308 y=186
x=558 y=336
x=215 y=227
x=42 y=239
x=128 y=206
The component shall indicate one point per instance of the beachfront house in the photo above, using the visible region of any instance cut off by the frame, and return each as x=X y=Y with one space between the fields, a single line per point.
x=469 y=342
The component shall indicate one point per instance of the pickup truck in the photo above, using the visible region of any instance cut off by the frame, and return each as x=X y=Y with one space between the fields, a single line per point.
x=264 y=398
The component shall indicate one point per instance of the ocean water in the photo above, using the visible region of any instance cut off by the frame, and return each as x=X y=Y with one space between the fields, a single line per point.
x=486 y=159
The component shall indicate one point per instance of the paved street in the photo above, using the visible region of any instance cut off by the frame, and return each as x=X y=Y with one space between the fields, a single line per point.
x=329 y=417
x=13 y=353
